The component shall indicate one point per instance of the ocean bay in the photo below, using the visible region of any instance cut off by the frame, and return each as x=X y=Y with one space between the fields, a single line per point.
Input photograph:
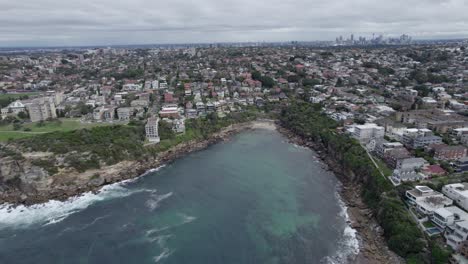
x=253 y=199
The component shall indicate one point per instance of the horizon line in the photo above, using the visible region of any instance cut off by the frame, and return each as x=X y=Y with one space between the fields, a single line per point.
x=210 y=43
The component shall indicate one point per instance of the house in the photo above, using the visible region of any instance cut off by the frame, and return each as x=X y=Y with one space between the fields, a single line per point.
x=13 y=109
x=427 y=200
x=408 y=169
x=392 y=156
x=433 y=170
x=139 y=103
x=461 y=165
x=382 y=147
x=188 y=89
x=200 y=107
x=210 y=107
x=169 y=97
x=124 y=113
x=457 y=192
x=169 y=111
x=460 y=134
x=462 y=256
x=259 y=101
x=131 y=87
x=447 y=216
x=191 y=113
x=178 y=125
x=151 y=129
x=104 y=113
x=456 y=234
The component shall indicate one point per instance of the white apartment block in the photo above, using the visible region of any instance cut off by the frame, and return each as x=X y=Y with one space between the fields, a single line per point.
x=426 y=200
x=447 y=216
x=456 y=234
x=151 y=129
x=458 y=192
x=368 y=131
x=42 y=109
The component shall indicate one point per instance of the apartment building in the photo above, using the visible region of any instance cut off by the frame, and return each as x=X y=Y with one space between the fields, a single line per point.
x=426 y=200
x=458 y=192
x=367 y=132
x=41 y=109
x=151 y=129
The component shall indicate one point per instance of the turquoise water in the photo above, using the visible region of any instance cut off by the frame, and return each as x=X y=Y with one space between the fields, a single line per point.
x=253 y=199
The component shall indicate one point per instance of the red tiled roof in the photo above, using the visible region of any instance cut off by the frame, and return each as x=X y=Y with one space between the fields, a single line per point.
x=434 y=169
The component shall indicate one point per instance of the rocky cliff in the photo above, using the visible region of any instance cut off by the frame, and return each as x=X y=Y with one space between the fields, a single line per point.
x=24 y=181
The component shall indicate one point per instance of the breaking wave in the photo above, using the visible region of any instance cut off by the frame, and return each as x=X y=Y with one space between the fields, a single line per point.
x=348 y=245
x=53 y=211
x=155 y=200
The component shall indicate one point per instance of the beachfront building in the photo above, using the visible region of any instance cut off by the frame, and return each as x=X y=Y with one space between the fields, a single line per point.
x=427 y=200
x=366 y=132
x=457 y=192
x=408 y=169
x=456 y=234
x=178 y=125
x=151 y=129
x=448 y=216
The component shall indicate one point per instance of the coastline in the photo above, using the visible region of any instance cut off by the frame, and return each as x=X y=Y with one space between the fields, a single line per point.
x=372 y=245
x=67 y=184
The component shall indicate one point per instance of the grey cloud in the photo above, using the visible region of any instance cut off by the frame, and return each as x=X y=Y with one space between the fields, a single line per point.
x=89 y=22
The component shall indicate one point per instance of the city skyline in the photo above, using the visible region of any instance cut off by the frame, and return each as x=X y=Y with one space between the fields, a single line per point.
x=103 y=22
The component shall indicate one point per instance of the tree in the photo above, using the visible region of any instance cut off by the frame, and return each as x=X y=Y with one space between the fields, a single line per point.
x=16 y=126
x=339 y=82
x=423 y=90
x=165 y=130
x=23 y=115
x=310 y=82
x=293 y=78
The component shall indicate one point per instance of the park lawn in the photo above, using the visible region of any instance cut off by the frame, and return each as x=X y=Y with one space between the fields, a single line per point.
x=65 y=124
x=18 y=95
x=6 y=135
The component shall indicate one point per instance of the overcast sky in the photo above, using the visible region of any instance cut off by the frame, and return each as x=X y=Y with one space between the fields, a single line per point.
x=106 y=22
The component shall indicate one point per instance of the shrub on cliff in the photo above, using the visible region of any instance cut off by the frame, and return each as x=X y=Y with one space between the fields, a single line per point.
x=110 y=144
x=401 y=232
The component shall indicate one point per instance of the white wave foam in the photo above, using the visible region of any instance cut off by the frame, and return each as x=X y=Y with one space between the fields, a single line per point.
x=155 y=200
x=164 y=254
x=161 y=241
x=348 y=245
x=185 y=220
x=54 y=211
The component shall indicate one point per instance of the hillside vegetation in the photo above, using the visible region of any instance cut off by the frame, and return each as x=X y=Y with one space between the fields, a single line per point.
x=401 y=232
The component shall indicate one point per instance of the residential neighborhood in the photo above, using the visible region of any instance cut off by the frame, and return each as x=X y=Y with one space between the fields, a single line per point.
x=407 y=106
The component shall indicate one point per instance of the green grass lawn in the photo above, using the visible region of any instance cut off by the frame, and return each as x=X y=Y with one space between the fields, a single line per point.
x=6 y=135
x=385 y=169
x=15 y=96
x=65 y=124
x=428 y=224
